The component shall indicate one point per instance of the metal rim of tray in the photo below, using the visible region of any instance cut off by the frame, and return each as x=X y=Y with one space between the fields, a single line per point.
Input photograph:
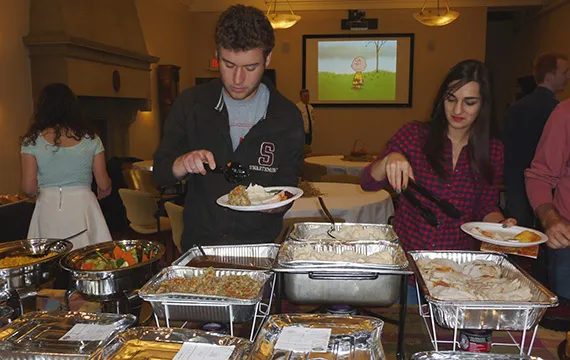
x=290 y=233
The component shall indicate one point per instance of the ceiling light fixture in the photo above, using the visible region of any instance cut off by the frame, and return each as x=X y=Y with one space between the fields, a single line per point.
x=280 y=21
x=436 y=17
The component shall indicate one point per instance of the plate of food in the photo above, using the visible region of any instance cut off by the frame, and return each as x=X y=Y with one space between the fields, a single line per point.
x=495 y=233
x=258 y=198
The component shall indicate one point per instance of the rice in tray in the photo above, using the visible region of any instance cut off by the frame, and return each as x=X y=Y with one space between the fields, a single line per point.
x=477 y=280
x=348 y=233
x=234 y=286
x=309 y=254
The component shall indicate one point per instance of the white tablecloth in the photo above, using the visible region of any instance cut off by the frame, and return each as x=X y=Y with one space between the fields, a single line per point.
x=345 y=201
x=336 y=165
x=144 y=165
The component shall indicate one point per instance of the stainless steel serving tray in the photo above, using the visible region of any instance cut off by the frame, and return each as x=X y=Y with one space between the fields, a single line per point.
x=490 y=315
x=287 y=260
x=451 y=355
x=258 y=252
x=318 y=231
x=195 y=307
x=352 y=337
x=35 y=335
x=164 y=343
x=29 y=277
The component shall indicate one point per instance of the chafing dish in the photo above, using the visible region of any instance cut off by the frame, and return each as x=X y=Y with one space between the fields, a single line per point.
x=196 y=307
x=36 y=335
x=489 y=315
x=6 y=314
x=253 y=255
x=164 y=344
x=318 y=231
x=343 y=283
x=109 y=284
x=352 y=337
x=29 y=277
x=454 y=355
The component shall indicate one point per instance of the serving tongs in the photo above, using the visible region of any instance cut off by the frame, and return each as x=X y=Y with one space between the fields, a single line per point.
x=447 y=207
x=233 y=171
x=329 y=215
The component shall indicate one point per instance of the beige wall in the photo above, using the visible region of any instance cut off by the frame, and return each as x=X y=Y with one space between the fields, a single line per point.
x=436 y=50
x=167 y=31
x=15 y=89
x=548 y=32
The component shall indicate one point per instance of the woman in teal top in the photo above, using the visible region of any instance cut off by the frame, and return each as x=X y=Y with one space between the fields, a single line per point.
x=60 y=155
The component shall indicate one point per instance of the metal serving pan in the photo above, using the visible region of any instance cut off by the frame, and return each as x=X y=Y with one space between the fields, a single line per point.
x=352 y=337
x=489 y=315
x=257 y=253
x=35 y=335
x=195 y=307
x=164 y=344
x=110 y=284
x=286 y=257
x=34 y=274
x=455 y=355
x=318 y=231
x=337 y=283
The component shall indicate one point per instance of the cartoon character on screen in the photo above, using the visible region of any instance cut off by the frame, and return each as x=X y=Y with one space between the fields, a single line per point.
x=358 y=65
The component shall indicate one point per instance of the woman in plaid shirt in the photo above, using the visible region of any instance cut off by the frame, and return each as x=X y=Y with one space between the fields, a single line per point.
x=453 y=156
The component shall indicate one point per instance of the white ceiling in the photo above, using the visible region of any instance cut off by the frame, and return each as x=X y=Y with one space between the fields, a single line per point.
x=219 y=5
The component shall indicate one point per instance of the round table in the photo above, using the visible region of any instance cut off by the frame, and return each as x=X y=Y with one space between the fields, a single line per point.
x=345 y=201
x=144 y=165
x=336 y=165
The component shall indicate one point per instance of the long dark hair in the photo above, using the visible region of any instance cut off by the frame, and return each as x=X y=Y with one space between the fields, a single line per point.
x=481 y=129
x=58 y=108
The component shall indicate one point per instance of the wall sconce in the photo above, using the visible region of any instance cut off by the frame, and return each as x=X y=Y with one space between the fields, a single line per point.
x=436 y=17
x=146 y=105
x=280 y=20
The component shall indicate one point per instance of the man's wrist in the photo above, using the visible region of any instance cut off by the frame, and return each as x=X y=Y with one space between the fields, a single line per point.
x=178 y=169
x=547 y=214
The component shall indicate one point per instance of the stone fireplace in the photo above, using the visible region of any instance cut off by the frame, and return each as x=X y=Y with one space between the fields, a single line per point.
x=97 y=48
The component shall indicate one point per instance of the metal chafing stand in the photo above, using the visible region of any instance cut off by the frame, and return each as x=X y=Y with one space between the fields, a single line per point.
x=482 y=315
x=301 y=281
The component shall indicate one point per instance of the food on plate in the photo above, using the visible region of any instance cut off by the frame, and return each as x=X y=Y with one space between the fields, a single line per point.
x=525 y=236
x=13 y=261
x=351 y=233
x=120 y=257
x=473 y=280
x=308 y=253
x=256 y=195
x=234 y=286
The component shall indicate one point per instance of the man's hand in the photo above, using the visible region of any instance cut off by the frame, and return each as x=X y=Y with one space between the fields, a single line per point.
x=557 y=228
x=193 y=163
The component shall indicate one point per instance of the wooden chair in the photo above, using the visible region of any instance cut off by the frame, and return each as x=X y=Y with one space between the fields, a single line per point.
x=174 y=212
x=142 y=212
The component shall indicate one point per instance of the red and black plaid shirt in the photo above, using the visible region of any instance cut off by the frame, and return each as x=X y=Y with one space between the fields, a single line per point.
x=470 y=193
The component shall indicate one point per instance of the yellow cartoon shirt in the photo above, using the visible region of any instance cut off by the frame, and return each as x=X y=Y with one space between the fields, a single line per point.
x=358 y=78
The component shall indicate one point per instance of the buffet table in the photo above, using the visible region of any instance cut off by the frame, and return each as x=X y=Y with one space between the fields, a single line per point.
x=336 y=165
x=345 y=201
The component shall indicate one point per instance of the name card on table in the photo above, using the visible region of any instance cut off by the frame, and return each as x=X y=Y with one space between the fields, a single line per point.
x=88 y=332
x=293 y=338
x=200 y=351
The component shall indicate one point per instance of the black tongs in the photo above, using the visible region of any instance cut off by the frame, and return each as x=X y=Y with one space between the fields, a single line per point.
x=447 y=207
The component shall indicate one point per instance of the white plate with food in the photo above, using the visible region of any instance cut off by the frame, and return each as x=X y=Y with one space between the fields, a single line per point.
x=513 y=236
x=259 y=198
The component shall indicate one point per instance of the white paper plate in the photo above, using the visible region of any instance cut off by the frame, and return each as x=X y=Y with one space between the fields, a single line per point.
x=297 y=193
x=498 y=228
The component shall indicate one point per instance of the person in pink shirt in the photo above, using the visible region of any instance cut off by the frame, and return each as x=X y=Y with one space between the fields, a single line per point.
x=548 y=190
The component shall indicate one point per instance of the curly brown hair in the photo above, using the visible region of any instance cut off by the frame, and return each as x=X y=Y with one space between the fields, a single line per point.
x=244 y=28
x=57 y=108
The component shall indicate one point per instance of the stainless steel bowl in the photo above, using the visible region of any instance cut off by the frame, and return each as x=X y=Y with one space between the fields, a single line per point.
x=37 y=273
x=111 y=284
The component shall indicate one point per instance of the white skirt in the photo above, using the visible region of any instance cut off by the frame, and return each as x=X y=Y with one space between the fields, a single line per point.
x=63 y=211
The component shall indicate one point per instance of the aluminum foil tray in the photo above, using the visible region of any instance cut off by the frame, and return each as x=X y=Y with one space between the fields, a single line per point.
x=451 y=355
x=318 y=231
x=489 y=315
x=259 y=252
x=286 y=258
x=195 y=307
x=163 y=344
x=35 y=335
x=352 y=337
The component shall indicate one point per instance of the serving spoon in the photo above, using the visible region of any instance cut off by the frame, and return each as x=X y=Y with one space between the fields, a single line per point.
x=48 y=248
x=233 y=171
x=329 y=215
